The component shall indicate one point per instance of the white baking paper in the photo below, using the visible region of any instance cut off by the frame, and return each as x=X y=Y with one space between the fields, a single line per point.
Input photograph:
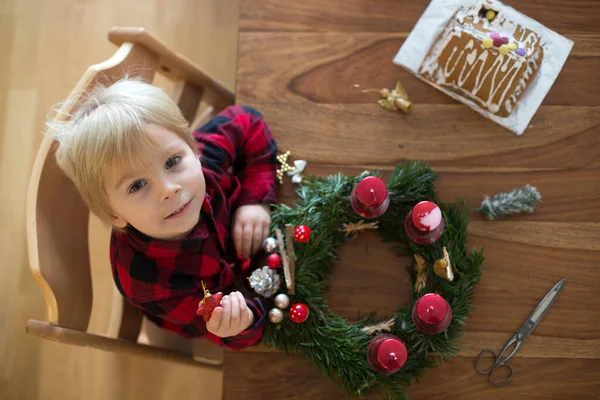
x=434 y=20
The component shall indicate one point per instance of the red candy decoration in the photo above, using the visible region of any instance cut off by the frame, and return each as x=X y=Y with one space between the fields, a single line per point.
x=208 y=303
x=298 y=313
x=504 y=40
x=498 y=42
x=302 y=233
x=274 y=261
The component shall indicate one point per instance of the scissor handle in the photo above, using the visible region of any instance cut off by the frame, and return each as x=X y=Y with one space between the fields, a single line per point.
x=504 y=382
x=489 y=370
x=495 y=367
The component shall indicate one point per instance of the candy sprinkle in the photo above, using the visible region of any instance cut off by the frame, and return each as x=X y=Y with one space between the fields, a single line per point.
x=521 y=51
x=512 y=46
x=503 y=49
x=488 y=42
x=495 y=35
x=490 y=15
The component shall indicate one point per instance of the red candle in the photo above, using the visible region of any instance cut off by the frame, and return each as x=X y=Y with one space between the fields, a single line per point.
x=424 y=223
x=432 y=314
x=386 y=354
x=370 y=197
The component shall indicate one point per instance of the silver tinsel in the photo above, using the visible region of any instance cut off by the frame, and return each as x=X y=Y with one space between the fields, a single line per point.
x=264 y=281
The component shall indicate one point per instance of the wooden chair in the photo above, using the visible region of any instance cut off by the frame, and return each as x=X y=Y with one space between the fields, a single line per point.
x=58 y=219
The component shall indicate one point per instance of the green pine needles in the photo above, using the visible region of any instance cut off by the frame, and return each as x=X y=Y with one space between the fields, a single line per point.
x=337 y=348
x=520 y=200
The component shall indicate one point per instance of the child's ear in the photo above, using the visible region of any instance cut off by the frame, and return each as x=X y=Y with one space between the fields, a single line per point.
x=118 y=221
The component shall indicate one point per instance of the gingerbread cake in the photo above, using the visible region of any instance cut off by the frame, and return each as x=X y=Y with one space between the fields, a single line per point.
x=484 y=57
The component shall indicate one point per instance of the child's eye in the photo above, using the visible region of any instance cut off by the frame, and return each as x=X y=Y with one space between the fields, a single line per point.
x=171 y=162
x=135 y=186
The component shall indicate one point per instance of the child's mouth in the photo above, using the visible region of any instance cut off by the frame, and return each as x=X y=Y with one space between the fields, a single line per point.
x=179 y=211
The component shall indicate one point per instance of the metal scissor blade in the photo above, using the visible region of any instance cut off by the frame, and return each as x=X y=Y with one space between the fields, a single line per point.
x=541 y=310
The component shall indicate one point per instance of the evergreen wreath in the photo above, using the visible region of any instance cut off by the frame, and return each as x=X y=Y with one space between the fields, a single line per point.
x=339 y=348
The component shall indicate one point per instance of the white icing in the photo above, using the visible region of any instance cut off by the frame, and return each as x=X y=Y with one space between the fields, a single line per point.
x=531 y=66
x=430 y=31
x=476 y=56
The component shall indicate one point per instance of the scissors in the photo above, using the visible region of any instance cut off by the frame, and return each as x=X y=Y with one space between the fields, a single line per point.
x=519 y=337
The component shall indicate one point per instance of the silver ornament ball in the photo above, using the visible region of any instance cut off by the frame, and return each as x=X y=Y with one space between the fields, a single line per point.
x=282 y=301
x=275 y=315
x=270 y=244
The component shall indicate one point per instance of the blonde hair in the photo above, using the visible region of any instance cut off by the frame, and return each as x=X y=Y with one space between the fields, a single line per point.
x=107 y=130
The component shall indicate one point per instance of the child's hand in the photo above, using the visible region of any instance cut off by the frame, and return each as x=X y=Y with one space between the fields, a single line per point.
x=250 y=228
x=231 y=318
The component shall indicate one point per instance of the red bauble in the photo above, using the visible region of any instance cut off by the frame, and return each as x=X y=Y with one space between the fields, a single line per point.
x=274 y=261
x=208 y=304
x=302 y=233
x=298 y=313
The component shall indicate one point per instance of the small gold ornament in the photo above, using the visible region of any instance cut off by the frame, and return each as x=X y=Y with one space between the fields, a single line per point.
x=382 y=326
x=421 y=269
x=285 y=167
x=396 y=100
x=355 y=228
x=443 y=267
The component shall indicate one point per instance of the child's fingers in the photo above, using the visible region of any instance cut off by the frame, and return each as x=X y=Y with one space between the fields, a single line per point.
x=215 y=320
x=266 y=232
x=235 y=310
x=237 y=237
x=246 y=240
x=257 y=239
x=244 y=312
x=226 y=318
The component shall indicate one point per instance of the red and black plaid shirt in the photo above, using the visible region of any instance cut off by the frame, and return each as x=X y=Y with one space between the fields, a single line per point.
x=164 y=278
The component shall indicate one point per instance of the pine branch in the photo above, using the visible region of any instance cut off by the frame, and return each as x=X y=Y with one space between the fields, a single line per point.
x=337 y=348
x=525 y=199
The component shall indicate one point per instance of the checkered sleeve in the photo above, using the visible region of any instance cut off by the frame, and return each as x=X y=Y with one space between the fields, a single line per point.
x=239 y=140
x=179 y=315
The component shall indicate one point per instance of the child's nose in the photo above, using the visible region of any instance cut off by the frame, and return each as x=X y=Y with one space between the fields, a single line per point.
x=169 y=190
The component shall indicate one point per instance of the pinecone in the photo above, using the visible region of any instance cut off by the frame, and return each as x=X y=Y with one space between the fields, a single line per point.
x=264 y=281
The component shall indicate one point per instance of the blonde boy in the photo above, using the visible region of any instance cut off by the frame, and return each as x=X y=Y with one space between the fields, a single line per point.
x=185 y=206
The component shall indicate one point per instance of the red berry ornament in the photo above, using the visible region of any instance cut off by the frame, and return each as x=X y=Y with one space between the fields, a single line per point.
x=274 y=261
x=208 y=303
x=302 y=233
x=298 y=313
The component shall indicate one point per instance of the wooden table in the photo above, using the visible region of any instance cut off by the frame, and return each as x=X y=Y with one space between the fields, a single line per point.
x=305 y=65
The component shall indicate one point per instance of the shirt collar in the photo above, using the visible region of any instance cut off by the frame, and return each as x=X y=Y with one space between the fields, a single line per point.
x=158 y=248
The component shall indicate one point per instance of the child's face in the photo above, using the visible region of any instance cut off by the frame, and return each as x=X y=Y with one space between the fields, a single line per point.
x=163 y=197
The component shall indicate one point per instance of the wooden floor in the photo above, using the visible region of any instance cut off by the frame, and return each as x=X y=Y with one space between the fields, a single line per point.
x=45 y=46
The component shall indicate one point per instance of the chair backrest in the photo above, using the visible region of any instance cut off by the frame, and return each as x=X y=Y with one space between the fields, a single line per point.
x=57 y=217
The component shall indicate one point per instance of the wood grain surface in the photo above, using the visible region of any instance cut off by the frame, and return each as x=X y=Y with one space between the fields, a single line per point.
x=280 y=376
x=314 y=68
